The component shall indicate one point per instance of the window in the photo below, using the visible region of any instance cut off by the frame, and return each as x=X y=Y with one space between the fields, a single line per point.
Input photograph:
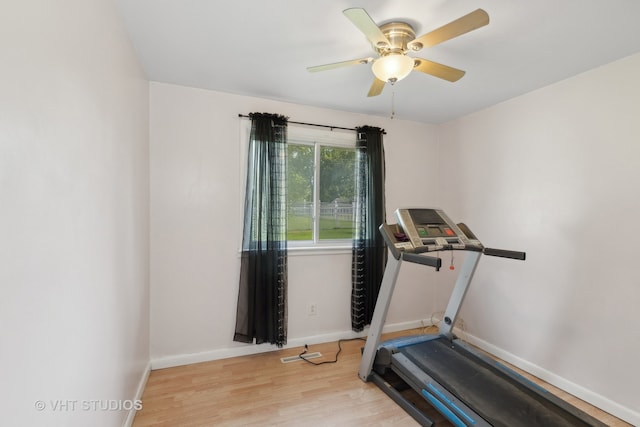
x=320 y=192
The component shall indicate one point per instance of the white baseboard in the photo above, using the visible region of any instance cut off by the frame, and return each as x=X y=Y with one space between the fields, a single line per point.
x=597 y=400
x=247 y=349
x=141 y=385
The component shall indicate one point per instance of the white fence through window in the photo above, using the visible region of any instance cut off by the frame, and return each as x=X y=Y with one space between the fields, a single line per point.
x=339 y=211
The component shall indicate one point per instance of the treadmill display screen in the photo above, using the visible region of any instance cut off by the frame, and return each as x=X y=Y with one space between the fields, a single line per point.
x=431 y=228
x=426 y=216
x=429 y=224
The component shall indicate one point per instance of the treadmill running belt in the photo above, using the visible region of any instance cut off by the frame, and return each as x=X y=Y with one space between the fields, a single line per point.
x=496 y=398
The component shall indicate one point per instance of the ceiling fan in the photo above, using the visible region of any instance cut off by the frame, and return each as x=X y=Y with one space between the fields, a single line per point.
x=392 y=42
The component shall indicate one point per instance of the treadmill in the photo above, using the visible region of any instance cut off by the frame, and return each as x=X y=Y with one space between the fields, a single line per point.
x=465 y=386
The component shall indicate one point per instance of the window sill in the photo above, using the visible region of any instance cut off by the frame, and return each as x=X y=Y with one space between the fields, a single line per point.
x=326 y=249
x=318 y=250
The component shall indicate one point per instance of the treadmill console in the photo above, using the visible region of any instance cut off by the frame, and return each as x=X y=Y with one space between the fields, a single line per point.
x=427 y=230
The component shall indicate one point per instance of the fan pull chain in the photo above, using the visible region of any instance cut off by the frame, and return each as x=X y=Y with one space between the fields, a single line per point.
x=393 y=103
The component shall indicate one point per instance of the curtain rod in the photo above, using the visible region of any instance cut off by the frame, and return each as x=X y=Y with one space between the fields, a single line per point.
x=314 y=124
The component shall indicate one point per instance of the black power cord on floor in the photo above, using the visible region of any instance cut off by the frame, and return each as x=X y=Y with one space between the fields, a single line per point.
x=306 y=348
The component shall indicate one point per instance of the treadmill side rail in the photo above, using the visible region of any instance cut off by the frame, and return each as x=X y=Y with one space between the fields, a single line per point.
x=446 y=403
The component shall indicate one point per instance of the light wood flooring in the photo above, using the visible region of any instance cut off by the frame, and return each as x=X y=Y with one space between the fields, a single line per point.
x=259 y=390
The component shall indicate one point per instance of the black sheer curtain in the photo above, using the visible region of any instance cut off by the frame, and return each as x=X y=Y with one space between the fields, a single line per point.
x=369 y=251
x=262 y=297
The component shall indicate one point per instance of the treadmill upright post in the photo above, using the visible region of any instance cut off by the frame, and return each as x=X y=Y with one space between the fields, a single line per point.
x=379 y=316
x=459 y=291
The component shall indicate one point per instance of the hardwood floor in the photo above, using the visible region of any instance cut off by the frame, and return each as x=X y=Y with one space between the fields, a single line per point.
x=260 y=390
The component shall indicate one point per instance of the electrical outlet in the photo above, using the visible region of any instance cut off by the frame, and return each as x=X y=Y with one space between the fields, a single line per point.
x=312 y=309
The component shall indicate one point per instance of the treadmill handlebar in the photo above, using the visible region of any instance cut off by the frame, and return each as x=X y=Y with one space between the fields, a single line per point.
x=502 y=253
x=429 y=261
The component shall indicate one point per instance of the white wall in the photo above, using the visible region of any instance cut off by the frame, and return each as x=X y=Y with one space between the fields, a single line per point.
x=555 y=173
x=73 y=213
x=196 y=225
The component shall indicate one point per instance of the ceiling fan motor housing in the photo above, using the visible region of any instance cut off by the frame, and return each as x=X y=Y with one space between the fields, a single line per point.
x=399 y=35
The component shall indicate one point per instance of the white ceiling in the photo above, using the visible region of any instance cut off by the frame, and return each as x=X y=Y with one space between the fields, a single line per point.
x=262 y=48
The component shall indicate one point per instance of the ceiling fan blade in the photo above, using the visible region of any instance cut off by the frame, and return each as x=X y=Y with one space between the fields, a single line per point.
x=376 y=87
x=339 y=64
x=476 y=19
x=363 y=21
x=438 y=70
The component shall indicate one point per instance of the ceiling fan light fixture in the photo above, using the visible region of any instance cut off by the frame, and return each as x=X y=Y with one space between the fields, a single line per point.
x=393 y=67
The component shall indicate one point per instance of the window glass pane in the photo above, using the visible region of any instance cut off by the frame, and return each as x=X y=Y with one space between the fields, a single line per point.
x=300 y=192
x=336 y=188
